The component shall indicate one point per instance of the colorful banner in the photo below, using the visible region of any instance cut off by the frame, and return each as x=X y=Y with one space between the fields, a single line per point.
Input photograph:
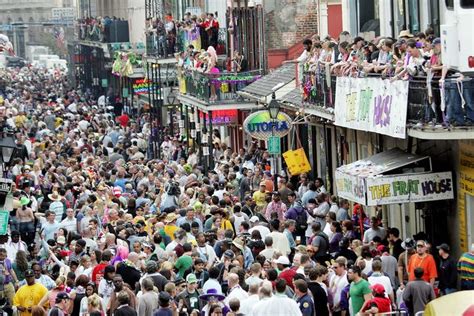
x=350 y=187
x=372 y=105
x=140 y=86
x=409 y=188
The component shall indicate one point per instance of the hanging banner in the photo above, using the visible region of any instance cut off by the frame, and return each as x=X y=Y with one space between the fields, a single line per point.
x=372 y=105
x=409 y=188
x=142 y=85
x=350 y=187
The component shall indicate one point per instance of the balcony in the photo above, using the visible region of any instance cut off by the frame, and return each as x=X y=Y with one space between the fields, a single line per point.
x=159 y=46
x=424 y=118
x=216 y=91
x=102 y=30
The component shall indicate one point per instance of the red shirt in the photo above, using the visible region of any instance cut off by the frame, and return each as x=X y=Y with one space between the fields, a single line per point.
x=123 y=120
x=288 y=275
x=382 y=303
x=98 y=273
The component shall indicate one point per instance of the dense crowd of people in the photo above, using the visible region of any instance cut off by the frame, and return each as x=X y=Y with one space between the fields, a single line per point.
x=98 y=228
x=449 y=97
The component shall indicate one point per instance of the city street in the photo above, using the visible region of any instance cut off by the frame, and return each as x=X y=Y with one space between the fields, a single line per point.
x=236 y=158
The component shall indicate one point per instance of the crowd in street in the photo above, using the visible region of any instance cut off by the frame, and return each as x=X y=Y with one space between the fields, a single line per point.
x=98 y=228
x=450 y=95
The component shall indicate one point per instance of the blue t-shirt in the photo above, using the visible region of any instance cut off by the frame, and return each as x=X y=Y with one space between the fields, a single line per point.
x=163 y=312
x=50 y=229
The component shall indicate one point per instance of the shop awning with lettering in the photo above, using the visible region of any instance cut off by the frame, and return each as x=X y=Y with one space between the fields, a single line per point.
x=393 y=177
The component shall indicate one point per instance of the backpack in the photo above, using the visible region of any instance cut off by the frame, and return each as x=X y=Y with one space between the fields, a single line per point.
x=301 y=219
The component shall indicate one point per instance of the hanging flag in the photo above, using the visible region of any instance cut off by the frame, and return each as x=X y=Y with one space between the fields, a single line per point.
x=58 y=33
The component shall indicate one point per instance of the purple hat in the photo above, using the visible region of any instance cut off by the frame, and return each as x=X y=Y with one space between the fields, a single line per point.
x=212 y=294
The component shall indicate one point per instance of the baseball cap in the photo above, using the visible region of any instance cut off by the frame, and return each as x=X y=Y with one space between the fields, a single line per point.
x=444 y=246
x=62 y=296
x=229 y=254
x=253 y=219
x=378 y=288
x=283 y=260
x=437 y=41
x=191 y=278
x=29 y=273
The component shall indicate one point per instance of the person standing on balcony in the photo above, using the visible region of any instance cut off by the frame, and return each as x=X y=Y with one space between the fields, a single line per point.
x=305 y=55
x=239 y=63
x=212 y=28
x=170 y=29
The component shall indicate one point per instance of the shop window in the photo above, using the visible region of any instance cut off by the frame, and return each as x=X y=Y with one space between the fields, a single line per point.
x=449 y=4
x=398 y=16
x=414 y=15
x=467 y=4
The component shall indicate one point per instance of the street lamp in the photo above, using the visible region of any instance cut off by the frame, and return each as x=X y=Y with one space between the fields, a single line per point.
x=7 y=146
x=273 y=110
x=273 y=107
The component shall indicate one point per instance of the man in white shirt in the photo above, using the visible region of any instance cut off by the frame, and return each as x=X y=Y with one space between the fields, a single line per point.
x=14 y=245
x=268 y=251
x=70 y=222
x=255 y=270
x=255 y=223
x=247 y=304
x=235 y=291
x=338 y=282
x=280 y=303
x=377 y=277
x=374 y=230
x=280 y=242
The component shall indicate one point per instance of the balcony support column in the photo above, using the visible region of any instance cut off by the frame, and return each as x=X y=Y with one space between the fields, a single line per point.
x=210 y=142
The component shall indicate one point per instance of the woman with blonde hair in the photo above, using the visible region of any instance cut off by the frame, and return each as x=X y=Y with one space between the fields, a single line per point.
x=94 y=305
x=50 y=296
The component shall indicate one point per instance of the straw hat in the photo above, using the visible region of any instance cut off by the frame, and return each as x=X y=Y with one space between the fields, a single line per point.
x=405 y=33
x=54 y=196
x=239 y=243
x=170 y=218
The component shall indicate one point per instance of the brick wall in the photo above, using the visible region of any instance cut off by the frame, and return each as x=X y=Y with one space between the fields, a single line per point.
x=290 y=22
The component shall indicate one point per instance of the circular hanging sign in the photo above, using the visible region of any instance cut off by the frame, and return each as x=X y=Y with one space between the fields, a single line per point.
x=261 y=126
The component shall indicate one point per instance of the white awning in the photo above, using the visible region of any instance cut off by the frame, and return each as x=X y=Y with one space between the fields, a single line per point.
x=392 y=177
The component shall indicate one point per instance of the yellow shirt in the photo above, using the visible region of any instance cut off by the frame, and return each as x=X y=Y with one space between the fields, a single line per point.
x=29 y=296
x=170 y=230
x=259 y=198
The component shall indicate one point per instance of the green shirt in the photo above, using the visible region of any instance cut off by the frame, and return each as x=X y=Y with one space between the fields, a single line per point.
x=182 y=264
x=357 y=292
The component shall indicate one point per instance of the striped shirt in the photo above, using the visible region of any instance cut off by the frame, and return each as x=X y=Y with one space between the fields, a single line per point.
x=466 y=266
